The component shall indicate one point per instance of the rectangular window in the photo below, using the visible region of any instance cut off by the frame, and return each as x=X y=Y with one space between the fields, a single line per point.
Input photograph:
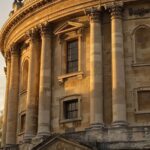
x=72 y=56
x=71 y=109
x=22 y=122
x=143 y=100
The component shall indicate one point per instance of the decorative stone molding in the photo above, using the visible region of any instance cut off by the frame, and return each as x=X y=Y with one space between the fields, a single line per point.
x=8 y=56
x=45 y=28
x=14 y=50
x=24 y=11
x=93 y=13
x=16 y=20
x=115 y=8
x=62 y=78
x=139 y=12
x=32 y=34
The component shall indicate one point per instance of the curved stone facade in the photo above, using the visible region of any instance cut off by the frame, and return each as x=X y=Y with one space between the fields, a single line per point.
x=77 y=75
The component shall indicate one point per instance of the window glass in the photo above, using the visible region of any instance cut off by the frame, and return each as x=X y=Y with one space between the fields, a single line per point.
x=71 y=109
x=144 y=100
x=72 y=56
x=22 y=123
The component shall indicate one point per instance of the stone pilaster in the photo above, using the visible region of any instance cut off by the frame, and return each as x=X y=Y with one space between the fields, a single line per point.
x=12 y=108
x=45 y=83
x=118 y=69
x=33 y=87
x=4 y=128
x=96 y=69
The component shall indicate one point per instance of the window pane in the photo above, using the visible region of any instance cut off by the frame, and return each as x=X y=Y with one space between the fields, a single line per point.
x=22 y=123
x=144 y=100
x=71 y=109
x=72 y=56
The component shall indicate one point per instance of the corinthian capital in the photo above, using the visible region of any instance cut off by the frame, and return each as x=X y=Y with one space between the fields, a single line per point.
x=32 y=34
x=115 y=8
x=14 y=50
x=45 y=28
x=7 y=56
x=93 y=13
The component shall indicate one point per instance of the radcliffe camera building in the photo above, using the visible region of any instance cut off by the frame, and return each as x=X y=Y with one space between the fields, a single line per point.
x=78 y=75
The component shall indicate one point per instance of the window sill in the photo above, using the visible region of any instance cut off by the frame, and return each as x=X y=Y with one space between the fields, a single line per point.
x=140 y=65
x=142 y=112
x=62 y=78
x=70 y=120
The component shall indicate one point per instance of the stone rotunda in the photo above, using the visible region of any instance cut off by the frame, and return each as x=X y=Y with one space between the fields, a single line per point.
x=78 y=75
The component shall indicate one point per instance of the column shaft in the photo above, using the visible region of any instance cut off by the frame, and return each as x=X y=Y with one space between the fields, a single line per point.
x=45 y=84
x=96 y=71
x=4 y=128
x=13 y=99
x=33 y=88
x=118 y=70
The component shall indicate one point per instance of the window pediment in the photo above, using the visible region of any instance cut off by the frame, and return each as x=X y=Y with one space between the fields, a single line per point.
x=68 y=27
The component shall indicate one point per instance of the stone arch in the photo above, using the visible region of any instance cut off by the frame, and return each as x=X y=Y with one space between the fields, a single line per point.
x=141 y=44
x=24 y=75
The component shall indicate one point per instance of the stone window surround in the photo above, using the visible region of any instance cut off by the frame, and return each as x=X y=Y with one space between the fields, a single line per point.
x=23 y=91
x=63 y=41
x=137 y=111
x=19 y=123
x=134 y=61
x=69 y=98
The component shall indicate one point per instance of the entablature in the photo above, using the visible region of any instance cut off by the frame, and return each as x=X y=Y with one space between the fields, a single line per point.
x=35 y=7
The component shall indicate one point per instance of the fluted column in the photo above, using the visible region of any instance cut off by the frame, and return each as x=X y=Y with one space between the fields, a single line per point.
x=118 y=69
x=96 y=70
x=33 y=87
x=13 y=98
x=45 y=83
x=4 y=128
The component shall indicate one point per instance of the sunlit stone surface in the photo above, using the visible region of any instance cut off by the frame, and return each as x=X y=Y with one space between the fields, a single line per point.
x=78 y=75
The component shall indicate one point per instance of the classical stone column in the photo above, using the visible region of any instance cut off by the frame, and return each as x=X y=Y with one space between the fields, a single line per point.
x=45 y=83
x=13 y=98
x=118 y=69
x=33 y=87
x=4 y=128
x=96 y=70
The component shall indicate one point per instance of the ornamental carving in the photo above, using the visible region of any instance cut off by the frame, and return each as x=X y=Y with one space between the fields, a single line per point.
x=93 y=13
x=139 y=11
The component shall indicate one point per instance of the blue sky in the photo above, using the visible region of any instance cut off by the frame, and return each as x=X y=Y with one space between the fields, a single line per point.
x=5 y=8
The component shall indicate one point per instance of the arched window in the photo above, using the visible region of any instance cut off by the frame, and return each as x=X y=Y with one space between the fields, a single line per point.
x=142 y=45
x=25 y=75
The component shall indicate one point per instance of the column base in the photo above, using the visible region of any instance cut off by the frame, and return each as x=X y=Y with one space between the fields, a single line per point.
x=96 y=126
x=9 y=146
x=43 y=135
x=119 y=124
x=28 y=138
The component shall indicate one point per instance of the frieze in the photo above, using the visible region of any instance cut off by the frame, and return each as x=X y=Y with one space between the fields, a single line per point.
x=139 y=11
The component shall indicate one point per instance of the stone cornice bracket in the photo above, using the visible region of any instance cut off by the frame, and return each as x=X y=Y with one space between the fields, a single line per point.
x=45 y=28
x=93 y=13
x=115 y=8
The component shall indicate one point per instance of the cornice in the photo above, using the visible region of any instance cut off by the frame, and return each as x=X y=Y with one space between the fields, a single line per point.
x=30 y=8
x=18 y=15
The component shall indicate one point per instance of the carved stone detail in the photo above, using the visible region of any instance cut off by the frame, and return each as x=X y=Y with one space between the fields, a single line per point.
x=14 y=50
x=116 y=11
x=45 y=29
x=93 y=13
x=115 y=8
x=32 y=34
